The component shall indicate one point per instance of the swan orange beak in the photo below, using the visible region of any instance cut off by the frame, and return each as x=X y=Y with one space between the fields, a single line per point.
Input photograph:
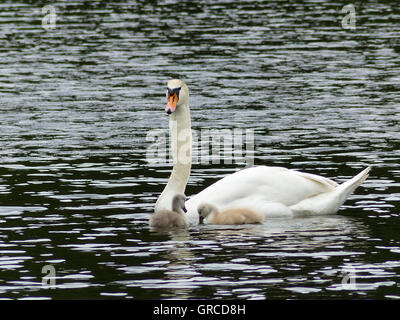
x=172 y=102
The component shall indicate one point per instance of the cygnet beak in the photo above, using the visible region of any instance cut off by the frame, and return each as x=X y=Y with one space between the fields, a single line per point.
x=201 y=219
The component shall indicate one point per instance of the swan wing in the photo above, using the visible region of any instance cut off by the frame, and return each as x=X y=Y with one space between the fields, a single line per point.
x=318 y=179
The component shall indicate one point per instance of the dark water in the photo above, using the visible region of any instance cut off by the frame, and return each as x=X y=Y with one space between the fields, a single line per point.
x=77 y=102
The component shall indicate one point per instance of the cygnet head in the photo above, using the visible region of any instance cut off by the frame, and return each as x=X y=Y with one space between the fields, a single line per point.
x=178 y=203
x=177 y=95
x=205 y=210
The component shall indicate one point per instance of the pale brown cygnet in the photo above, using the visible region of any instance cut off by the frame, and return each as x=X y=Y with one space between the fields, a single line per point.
x=229 y=216
x=171 y=219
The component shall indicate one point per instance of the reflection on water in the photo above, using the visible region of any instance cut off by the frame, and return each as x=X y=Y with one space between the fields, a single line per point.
x=77 y=102
x=241 y=261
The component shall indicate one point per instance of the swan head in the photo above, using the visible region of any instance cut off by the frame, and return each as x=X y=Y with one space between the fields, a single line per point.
x=205 y=210
x=177 y=95
x=178 y=203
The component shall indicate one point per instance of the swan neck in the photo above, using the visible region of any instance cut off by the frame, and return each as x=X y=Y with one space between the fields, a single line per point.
x=181 y=147
x=181 y=150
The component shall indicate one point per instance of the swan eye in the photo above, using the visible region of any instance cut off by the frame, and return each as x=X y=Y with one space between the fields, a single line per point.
x=176 y=91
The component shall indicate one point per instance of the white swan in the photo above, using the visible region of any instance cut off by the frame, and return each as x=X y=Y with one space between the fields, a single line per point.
x=171 y=219
x=212 y=215
x=274 y=191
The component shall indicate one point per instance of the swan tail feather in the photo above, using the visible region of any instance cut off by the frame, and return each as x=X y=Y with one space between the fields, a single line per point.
x=348 y=187
x=330 y=202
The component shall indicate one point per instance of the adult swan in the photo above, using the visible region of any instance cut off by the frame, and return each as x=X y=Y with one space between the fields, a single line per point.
x=274 y=191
